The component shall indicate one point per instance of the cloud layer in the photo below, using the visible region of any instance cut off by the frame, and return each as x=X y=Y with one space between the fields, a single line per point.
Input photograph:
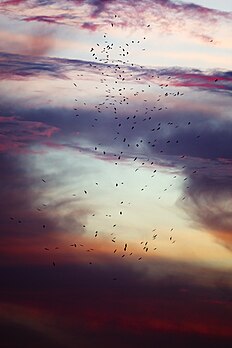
x=167 y=16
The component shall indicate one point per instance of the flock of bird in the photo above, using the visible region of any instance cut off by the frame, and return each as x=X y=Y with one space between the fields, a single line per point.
x=125 y=90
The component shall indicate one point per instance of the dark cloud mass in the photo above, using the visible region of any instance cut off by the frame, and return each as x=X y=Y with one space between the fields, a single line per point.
x=209 y=199
x=133 y=311
x=30 y=220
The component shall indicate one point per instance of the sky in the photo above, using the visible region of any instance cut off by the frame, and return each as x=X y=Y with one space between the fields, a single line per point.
x=116 y=173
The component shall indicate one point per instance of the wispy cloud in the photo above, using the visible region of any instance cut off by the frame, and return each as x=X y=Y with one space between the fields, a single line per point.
x=165 y=15
x=16 y=66
x=21 y=66
x=38 y=43
x=55 y=19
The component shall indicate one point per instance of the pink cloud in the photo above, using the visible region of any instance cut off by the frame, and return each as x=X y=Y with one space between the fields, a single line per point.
x=210 y=82
x=13 y=2
x=168 y=16
x=89 y=26
x=18 y=134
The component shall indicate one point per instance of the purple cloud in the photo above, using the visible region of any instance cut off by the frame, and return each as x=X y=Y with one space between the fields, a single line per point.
x=166 y=15
x=15 y=66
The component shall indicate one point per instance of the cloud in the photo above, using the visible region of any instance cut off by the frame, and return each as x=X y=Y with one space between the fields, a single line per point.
x=27 y=2
x=186 y=136
x=167 y=16
x=193 y=143
x=13 y=2
x=215 y=81
x=16 y=133
x=207 y=196
x=208 y=202
x=38 y=43
x=59 y=19
x=135 y=309
x=99 y=8
x=36 y=212
x=89 y=26
x=16 y=66
x=24 y=66
x=148 y=302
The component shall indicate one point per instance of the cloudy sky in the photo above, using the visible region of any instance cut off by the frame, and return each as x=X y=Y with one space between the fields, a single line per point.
x=116 y=173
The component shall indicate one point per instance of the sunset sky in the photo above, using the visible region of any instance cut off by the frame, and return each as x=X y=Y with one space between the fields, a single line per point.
x=116 y=173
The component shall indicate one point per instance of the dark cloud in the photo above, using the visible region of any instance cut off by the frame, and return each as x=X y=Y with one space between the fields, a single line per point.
x=31 y=215
x=137 y=309
x=19 y=66
x=56 y=19
x=198 y=135
x=209 y=200
x=99 y=6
